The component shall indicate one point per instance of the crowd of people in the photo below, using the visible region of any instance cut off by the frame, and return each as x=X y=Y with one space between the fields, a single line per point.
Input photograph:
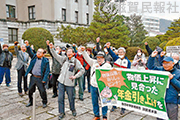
x=72 y=66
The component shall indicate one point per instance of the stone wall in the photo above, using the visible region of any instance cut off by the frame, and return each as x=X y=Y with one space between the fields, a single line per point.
x=23 y=26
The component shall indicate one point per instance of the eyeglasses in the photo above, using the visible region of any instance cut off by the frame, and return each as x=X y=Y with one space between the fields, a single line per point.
x=39 y=51
x=100 y=58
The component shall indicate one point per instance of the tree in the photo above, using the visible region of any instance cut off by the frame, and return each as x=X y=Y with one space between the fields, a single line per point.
x=163 y=44
x=174 y=29
x=64 y=33
x=37 y=36
x=173 y=32
x=71 y=35
x=173 y=42
x=108 y=25
x=137 y=30
x=152 y=42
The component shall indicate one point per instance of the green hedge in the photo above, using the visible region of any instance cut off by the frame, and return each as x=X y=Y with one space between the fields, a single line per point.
x=163 y=44
x=152 y=42
x=173 y=42
x=37 y=37
x=132 y=51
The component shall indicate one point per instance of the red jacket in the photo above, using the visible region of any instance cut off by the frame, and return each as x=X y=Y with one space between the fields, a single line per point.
x=82 y=60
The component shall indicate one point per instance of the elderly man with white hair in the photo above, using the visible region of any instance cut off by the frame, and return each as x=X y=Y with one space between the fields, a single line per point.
x=21 y=66
x=176 y=60
x=120 y=61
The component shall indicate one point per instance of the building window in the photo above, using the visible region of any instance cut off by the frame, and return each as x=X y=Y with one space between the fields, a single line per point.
x=87 y=18
x=12 y=35
x=76 y=16
x=31 y=11
x=10 y=11
x=76 y=0
x=64 y=14
x=87 y=2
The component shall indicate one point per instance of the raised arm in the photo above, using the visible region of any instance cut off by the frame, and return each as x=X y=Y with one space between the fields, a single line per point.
x=58 y=57
x=49 y=51
x=74 y=47
x=0 y=48
x=89 y=60
x=47 y=43
x=29 y=50
x=113 y=55
x=151 y=62
x=16 y=48
x=149 y=50
x=97 y=44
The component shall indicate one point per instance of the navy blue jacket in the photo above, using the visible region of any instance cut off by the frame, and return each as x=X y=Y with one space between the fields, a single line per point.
x=44 y=65
x=174 y=86
x=116 y=57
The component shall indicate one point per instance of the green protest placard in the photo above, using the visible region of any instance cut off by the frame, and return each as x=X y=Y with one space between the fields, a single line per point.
x=140 y=91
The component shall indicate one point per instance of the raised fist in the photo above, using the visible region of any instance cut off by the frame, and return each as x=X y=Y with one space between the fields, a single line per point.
x=94 y=47
x=97 y=39
x=47 y=42
x=15 y=43
x=154 y=53
x=108 y=44
x=27 y=43
x=163 y=53
x=51 y=45
x=32 y=47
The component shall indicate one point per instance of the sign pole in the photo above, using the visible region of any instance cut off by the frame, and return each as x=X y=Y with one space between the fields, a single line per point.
x=108 y=112
x=34 y=106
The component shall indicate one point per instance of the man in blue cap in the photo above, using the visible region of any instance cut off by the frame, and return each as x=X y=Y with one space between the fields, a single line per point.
x=171 y=97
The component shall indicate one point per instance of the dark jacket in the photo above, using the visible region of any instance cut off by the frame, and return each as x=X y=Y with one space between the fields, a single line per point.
x=107 y=57
x=3 y=57
x=174 y=86
x=158 y=58
x=44 y=65
x=177 y=65
x=98 y=49
x=56 y=66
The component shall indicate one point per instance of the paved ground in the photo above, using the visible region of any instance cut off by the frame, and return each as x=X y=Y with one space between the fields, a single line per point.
x=12 y=107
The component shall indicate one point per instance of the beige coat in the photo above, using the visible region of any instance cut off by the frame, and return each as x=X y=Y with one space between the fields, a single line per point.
x=65 y=72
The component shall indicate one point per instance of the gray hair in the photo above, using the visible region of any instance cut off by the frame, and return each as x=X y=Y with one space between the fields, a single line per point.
x=23 y=45
x=122 y=48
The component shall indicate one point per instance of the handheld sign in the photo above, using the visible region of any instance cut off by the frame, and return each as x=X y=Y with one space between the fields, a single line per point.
x=140 y=91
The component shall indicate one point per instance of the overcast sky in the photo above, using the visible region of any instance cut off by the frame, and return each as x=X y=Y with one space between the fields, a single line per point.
x=174 y=6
